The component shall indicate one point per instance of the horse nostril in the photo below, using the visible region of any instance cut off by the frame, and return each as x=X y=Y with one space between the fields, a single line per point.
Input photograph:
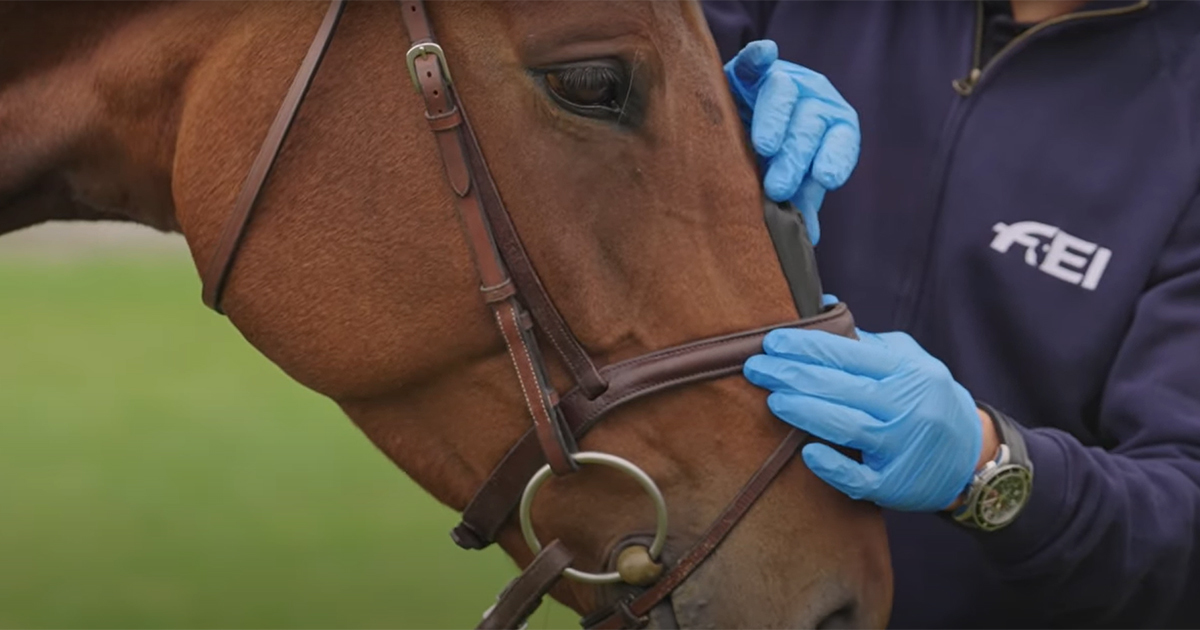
x=844 y=617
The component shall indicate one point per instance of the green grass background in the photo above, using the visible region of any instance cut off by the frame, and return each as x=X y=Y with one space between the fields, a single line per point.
x=157 y=472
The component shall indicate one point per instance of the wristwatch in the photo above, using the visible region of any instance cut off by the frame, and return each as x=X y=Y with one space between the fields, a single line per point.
x=1000 y=490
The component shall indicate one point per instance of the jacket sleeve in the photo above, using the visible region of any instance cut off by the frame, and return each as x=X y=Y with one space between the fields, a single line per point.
x=735 y=23
x=1112 y=536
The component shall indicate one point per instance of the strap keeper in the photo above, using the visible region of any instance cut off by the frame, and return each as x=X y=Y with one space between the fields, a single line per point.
x=631 y=620
x=498 y=292
x=446 y=121
x=620 y=609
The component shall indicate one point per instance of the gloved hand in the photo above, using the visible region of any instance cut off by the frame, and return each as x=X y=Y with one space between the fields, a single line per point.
x=803 y=128
x=918 y=429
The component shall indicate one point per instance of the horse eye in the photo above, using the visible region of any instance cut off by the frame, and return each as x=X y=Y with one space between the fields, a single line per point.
x=588 y=89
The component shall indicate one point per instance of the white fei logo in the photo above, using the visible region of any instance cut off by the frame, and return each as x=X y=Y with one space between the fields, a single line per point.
x=1068 y=258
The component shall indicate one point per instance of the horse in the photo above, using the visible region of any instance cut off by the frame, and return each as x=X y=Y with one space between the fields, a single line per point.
x=606 y=134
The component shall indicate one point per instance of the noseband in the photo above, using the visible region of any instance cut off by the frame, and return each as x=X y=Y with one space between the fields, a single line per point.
x=519 y=303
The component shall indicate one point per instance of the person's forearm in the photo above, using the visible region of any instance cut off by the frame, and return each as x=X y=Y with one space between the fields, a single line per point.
x=1107 y=538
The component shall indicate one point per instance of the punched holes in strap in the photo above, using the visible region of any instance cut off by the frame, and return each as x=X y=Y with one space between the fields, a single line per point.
x=428 y=69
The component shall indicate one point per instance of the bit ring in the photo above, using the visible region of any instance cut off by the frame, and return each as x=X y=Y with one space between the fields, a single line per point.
x=612 y=461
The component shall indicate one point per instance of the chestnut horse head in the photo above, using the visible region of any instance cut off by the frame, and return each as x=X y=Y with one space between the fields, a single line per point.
x=611 y=136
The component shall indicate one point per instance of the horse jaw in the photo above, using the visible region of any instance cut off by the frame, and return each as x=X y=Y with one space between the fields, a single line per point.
x=354 y=278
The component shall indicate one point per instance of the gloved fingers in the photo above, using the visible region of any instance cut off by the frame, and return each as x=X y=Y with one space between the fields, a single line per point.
x=837 y=156
x=844 y=139
x=753 y=60
x=929 y=486
x=829 y=299
x=805 y=131
x=744 y=73
x=866 y=335
x=773 y=112
x=842 y=425
x=808 y=203
x=900 y=342
x=855 y=480
x=906 y=351
x=831 y=384
x=816 y=85
x=863 y=357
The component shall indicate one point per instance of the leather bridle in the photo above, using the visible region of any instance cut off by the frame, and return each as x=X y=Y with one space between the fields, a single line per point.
x=519 y=303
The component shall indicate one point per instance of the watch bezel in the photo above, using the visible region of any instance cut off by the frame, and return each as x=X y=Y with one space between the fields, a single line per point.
x=992 y=476
x=1000 y=468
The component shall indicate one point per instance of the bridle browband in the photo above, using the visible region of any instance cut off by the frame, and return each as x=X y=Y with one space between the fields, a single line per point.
x=519 y=303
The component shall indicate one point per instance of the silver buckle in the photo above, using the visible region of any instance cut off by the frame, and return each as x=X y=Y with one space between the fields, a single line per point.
x=420 y=50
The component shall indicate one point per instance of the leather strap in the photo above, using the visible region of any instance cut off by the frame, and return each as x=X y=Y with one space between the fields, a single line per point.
x=460 y=170
x=634 y=611
x=496 y=247
x=707 y=359
x=549 y=320
x=451 y=127
x=524 y=594
x=216 y=274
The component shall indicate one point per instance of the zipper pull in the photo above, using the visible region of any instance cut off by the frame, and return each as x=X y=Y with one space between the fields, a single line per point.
x=964 y=87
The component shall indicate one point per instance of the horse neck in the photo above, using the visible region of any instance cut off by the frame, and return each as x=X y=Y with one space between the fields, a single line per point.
x=90 y=106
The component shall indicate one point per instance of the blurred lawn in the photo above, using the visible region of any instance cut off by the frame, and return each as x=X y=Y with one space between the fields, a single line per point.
x=157 y=472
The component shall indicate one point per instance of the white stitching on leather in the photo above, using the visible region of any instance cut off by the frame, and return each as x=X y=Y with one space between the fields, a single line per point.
x=528 y=357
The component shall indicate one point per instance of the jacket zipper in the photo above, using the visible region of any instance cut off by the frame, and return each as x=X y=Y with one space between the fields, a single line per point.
x=913 y=288
x=966 y=85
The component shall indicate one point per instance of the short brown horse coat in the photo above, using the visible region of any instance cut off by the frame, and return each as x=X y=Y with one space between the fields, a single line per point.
x=355 y=279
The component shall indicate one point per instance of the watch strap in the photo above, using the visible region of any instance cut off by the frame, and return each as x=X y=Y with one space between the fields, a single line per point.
x=1009 y=435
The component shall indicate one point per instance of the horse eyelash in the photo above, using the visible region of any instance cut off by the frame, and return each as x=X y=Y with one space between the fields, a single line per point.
x=589 y=78
x=621 y=104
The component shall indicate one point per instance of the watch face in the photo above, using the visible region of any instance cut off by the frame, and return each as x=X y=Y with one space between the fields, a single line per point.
x=1003 y=497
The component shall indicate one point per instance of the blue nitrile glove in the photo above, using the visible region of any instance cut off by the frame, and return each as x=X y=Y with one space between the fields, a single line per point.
x=917 y=428
x=803 y=128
